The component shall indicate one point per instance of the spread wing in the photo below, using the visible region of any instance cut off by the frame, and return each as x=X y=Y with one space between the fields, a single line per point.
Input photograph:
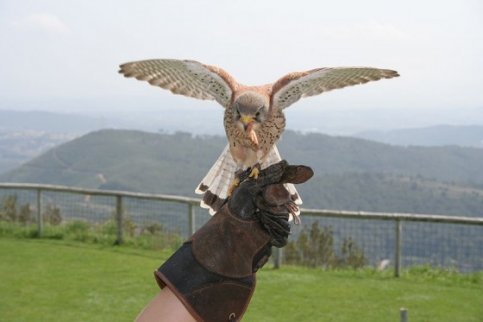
x=184 y=77
x=290 y=88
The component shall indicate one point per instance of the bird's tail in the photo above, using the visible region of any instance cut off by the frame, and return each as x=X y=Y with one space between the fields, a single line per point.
x=214 y=186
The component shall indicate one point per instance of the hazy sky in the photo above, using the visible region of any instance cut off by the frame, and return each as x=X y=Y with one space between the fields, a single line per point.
x=63 y=55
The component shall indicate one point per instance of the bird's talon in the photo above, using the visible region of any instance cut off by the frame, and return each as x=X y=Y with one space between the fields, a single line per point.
x=233 y=185
x=293 y=209
x=254 y=173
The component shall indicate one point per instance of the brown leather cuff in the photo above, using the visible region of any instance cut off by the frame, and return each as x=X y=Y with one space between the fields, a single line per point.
x=213 y=273
x=208 y=296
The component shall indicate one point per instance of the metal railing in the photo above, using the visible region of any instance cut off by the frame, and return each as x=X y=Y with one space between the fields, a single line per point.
x=118 y=195
x=39 y=194
x=397 y=219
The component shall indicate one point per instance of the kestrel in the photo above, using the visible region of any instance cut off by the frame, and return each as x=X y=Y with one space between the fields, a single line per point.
x=254 y=118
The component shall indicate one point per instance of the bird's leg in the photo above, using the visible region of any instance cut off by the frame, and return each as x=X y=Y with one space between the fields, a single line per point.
x=235 y=182
x=255 y=171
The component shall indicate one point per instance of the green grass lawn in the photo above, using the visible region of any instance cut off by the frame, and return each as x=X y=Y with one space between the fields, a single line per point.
x=47 y=280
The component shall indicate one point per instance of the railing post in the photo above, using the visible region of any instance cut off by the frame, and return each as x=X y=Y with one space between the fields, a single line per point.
x=40 y=220
x=278 y=258
x=397 y=255
x=403 y=315
x=191 y=219
x=119 y=213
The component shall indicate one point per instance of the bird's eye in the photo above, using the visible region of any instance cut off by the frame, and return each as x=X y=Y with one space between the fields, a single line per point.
x=257 y=114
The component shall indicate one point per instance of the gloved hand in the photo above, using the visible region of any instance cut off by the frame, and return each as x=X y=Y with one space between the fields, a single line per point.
x=213 y=273
x=267 y=200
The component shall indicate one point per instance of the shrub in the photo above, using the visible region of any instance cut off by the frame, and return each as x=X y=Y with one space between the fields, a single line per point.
x=154 y=228
x=52 y=215
x=352 y=255
x=77 y=230
x=314 y=247
x=25 y=214
x=8 y=211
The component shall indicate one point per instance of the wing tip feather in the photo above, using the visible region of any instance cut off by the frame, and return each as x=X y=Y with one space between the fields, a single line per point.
x=389 y=73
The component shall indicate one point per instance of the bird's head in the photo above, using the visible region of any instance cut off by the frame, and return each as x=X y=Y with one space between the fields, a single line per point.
x=249 y=111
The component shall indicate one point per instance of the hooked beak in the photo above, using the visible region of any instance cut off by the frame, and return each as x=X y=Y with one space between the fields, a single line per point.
x=247 y=121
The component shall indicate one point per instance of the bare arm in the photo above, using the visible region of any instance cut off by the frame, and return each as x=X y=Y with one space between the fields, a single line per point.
x=165 y=307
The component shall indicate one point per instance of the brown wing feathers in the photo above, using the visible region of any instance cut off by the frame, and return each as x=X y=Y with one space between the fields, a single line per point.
x=184 y=77
x=290 y=88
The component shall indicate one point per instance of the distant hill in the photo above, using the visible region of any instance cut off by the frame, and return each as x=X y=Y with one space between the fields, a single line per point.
x=26 y=134
x=350 y=173
x=48 y=122
x=439 y=135
x=130 y=160
x=17 y=147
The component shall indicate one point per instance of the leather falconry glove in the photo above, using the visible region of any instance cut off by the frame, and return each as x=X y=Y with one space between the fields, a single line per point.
x=213 y=273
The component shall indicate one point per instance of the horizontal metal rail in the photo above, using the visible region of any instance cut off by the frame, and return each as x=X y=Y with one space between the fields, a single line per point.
x=312 y=212
x=393 y=216
x=97 y=192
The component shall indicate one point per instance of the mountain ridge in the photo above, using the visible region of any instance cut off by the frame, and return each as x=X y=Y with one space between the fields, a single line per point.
x=351 y=173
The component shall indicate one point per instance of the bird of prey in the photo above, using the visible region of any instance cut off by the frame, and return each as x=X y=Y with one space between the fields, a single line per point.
x=253 y=119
